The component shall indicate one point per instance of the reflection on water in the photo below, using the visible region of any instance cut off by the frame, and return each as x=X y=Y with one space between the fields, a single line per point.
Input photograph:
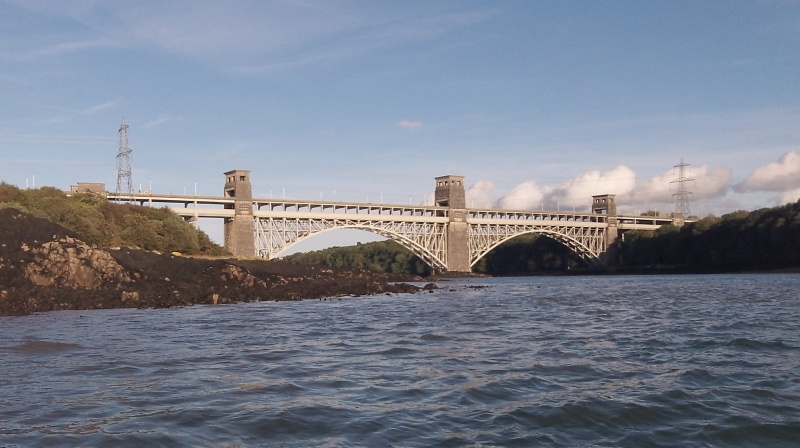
x=603 y=361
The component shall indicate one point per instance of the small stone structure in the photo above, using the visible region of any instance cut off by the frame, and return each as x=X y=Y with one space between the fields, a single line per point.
x=89 y=187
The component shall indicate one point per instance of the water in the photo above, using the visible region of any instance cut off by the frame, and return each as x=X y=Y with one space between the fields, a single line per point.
x=594 y=361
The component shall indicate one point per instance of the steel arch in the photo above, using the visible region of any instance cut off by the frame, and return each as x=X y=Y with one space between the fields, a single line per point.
x=587 y=242
x=427 y=240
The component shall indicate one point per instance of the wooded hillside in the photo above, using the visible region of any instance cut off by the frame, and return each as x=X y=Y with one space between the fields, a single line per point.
x=768 y=238
x=108 y=224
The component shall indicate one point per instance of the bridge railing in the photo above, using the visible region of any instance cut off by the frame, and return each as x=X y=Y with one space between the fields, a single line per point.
x=525 y=215
x=349 y=208
x=150 y=198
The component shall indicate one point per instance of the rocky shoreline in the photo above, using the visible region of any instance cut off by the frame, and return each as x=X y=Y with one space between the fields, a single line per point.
x=45 y=267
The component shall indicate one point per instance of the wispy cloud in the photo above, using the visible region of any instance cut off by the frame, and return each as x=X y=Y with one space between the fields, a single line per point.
x=62 y=48
x=60 y=139
x=89 y=110
x=249 y=36
x=101 y=107
x=409 y=124
x=159 y=121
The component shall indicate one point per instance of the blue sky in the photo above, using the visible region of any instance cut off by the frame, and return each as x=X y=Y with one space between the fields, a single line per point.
x=537 y=103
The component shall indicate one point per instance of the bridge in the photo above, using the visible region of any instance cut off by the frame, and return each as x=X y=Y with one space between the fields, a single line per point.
x=448 y=236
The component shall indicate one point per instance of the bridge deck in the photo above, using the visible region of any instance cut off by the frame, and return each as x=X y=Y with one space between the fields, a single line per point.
x=283 y=208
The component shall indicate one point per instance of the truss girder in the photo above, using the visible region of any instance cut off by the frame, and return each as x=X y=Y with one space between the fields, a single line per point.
x=586 y=241
x=427 y=240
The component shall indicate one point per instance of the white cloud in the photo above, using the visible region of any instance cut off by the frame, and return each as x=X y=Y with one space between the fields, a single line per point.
x=705 y=183
x=620 y=181
x=655 y=189
x=789 y=196
x=524 y=196
x=408 y=124
x=711 y=184
x=776 y=176
x=578 y=192
x=479 y=195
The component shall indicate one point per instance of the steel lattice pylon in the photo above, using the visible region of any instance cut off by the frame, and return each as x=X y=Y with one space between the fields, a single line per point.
x=124 y=178
x=427 y=240
x=682 y=195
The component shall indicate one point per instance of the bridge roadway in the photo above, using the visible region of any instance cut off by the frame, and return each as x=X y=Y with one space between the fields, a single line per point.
x=280 y=223
x=283 y=208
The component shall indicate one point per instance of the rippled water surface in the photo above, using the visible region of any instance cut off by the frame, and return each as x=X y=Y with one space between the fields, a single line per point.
x=567 y=361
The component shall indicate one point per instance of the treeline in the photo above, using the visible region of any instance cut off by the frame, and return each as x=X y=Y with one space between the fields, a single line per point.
x=381 y=256
x=524 y=254
x=527 y=254
x=768 y=238
x=765 y=239
x=108 y=224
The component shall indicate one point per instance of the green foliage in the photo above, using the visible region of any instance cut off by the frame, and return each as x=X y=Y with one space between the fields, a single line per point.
x=10 y=193
x=524 y=254
x=107 y=224
x=768 y=238
x=528 y=253
x=382 y=256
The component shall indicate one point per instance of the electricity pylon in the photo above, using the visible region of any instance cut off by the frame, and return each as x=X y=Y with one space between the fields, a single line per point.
x=124 y=180
x=682 y=195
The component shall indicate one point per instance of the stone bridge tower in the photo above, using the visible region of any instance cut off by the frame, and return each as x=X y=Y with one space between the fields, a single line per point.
x=606 y=204
x=450 y=193
x=239 y=230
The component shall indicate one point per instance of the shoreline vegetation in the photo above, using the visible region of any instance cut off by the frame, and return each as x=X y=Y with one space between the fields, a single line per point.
x=45 y=267
x=76 y=252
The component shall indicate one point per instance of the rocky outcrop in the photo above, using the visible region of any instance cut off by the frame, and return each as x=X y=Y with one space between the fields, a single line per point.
x=231 y=273
x=70 y=263
x=44 y=267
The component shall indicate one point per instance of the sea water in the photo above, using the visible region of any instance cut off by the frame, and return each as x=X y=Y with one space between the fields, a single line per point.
x=681 y=361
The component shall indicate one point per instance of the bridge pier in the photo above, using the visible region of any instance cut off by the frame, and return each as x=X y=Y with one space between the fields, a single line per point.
x=239 y=231
x=605 y=204
x=450 y=193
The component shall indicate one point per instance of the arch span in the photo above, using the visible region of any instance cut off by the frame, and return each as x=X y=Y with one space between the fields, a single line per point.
x=586 y=242
x=425 y=240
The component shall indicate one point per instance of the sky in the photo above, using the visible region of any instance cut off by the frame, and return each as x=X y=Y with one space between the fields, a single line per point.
x=539 y=104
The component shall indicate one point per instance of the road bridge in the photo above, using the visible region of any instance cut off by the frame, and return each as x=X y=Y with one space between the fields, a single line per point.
x=447 y=235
